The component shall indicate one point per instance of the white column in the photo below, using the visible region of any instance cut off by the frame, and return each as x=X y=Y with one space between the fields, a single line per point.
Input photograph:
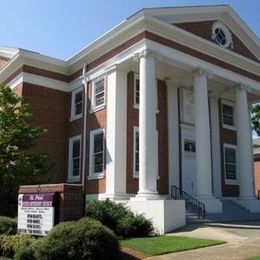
x=148 y=140
x=202 y=135
x=116 y=134
x=215 y=146
x=244 y=136
x=203 y=143
x=173 y=132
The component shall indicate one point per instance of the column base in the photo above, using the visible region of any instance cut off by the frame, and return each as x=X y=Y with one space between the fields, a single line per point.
x=250 y=203
x=147 y=195
x=117 y=196
x=212 y=204
x=166 y=215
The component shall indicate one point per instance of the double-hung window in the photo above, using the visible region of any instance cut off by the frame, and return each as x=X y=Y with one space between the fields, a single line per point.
x=136 y=90
x=228 y=114
x=230 y=164
x=74 y=158
x=98 y=93
x=96 y=153
x=76 y=104
x=136 y=152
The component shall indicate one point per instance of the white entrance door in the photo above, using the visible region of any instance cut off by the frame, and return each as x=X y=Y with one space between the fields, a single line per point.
x=188 y=148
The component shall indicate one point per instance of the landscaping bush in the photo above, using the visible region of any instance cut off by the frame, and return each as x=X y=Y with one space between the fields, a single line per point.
x=7 y=225
x=107 y=212
x=84 y=239
x=120 y=219
x=25 y=253
x=11 y=243
x=28 y=252
x=135 y=226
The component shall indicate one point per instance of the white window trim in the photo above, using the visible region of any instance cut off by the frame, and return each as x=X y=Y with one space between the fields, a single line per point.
x=227 y=181
x=135 y=174
x=136 y=76
x=226 y=31
x=73 y=116
x=93 y=176
x=70 y=175
x=228 y=103
x=95 y=108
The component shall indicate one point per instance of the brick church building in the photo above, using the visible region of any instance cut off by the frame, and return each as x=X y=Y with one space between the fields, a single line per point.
x=161 y=100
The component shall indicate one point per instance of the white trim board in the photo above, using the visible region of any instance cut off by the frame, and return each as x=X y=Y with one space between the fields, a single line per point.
x=25 y=77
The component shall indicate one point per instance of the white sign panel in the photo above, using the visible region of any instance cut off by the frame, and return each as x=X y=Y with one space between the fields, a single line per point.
x=36 y=213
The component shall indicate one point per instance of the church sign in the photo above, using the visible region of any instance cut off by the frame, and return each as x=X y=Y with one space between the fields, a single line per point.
x=36 y=213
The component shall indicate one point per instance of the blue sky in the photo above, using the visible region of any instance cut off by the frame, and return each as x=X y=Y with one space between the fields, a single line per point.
x=60 y=28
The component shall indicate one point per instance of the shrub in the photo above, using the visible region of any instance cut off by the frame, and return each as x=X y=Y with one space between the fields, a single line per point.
x=135 y=226
x=28 y=252
x=85 y=239
x=11 y=243
x=107 y=212
x=25 y=253
x=120 y=219
x=7 y=225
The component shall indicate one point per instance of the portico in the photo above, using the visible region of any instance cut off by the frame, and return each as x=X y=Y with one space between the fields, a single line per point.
x=205 y=88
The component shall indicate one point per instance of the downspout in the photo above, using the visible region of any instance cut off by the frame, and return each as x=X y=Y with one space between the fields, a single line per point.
x=84 y=128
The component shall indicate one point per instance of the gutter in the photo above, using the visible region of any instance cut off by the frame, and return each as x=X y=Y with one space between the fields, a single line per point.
x=84 y=127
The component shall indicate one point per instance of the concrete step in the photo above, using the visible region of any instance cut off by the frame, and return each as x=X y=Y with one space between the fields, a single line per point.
x=231 y=212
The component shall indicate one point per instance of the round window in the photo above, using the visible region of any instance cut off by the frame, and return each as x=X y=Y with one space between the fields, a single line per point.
x=221 y=35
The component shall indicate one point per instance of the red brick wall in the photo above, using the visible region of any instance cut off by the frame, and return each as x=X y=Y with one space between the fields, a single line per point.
x=203 y=29
x=257 y=176
x=50 y=111
x=70 y=198
x=162 y=127
x=228 y=137
x=94 y=121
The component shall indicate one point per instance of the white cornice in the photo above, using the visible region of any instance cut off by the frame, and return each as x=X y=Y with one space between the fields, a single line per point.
x=8 y=52
x=35 y=60
x=38 y=81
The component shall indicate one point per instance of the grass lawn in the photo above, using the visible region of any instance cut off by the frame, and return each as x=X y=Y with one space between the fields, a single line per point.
x=255 y=258
x=152 y=246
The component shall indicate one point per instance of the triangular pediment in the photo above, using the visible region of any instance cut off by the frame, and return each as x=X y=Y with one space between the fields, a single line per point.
x=203 y=21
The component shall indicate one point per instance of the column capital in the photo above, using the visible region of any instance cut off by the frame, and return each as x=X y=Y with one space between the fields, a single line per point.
x=244 y=87
x=146 y=53
x=202 y=72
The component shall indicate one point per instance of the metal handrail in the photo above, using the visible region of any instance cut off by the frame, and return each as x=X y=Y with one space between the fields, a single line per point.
x=196 y=206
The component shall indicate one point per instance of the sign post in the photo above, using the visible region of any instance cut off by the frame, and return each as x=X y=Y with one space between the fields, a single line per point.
x=36 y=213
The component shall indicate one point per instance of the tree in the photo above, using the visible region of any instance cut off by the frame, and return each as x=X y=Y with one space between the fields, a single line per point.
x=18 y=165
x=255 y=118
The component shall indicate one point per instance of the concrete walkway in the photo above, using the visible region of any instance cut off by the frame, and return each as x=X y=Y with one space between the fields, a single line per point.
x=243 y=242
